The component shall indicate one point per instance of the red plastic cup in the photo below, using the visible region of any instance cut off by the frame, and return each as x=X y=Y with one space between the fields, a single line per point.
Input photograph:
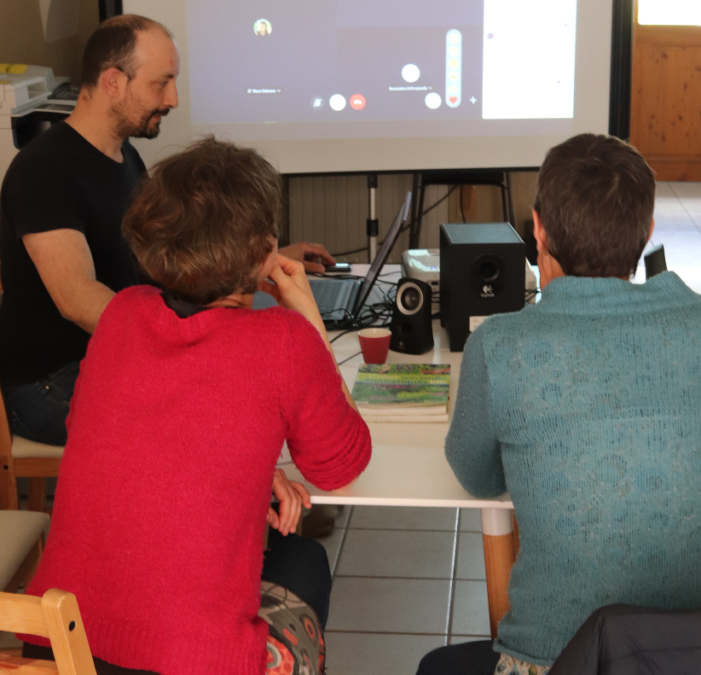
x=374 y=343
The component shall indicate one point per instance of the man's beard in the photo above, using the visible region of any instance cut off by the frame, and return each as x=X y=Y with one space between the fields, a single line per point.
x=127 y=128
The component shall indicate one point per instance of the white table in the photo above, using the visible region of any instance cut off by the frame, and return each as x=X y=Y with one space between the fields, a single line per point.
x=409 y=468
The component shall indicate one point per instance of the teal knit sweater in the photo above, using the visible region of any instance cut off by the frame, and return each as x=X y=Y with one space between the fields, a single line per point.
x=587 y=408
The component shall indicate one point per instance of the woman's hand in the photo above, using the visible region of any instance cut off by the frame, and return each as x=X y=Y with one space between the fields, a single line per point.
x=291 y=496
x=291 y=289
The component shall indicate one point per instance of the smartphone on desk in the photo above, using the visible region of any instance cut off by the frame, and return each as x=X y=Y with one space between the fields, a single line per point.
x=338 y=268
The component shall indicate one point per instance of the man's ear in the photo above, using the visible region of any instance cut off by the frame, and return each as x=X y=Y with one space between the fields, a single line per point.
x=652 y=229
x=113 y=82
x=541 y=239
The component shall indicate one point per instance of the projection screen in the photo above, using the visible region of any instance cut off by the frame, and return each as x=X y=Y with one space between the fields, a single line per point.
x=325 y=86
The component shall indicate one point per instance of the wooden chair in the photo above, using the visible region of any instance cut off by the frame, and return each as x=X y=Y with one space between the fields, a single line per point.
x=21 y=534
x=54 y=616
x=22 y=458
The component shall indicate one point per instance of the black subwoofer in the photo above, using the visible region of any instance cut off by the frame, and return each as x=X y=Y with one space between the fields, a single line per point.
x=483 y=272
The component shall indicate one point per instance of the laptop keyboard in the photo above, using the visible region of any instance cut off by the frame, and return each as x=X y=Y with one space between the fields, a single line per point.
x=330 y=294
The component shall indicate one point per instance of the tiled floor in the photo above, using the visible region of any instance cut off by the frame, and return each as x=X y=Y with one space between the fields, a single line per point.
x=408 y=580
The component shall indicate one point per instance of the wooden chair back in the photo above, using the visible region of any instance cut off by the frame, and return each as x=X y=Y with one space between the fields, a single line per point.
x=28 y=459
x=54 y=616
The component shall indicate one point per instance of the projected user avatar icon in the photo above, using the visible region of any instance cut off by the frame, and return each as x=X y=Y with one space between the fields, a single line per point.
x=262 y=27
x=411 y=72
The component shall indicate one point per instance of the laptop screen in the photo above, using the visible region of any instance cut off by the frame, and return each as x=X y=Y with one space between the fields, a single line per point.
x=383 y=254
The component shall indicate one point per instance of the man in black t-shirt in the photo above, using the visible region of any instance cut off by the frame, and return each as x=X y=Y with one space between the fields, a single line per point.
x=61 y=207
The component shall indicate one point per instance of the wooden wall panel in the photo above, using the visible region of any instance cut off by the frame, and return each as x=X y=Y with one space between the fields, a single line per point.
x=666 y=100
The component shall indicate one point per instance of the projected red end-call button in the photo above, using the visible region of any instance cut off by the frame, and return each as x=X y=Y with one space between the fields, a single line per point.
x=357 y=102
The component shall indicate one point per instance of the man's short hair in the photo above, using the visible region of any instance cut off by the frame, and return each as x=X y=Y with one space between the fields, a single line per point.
x=113 y=44
x=202 y=224
x=595 y=198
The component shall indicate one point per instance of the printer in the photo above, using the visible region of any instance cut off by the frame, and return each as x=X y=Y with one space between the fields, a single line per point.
x=26 y=108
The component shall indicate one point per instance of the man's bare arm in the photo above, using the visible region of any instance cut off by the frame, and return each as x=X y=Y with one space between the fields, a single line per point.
x=65 y=265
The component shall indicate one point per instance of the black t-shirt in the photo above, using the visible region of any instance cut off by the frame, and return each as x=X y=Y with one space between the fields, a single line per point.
x=59 y=181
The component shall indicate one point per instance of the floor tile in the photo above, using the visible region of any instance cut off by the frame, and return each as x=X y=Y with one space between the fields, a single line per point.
x=343 y=516
x=389 y=605
x=397 y=553
x=403 y=518
x=332 y=544
x=664 y=190
x=377 y=654
x=685 y=191
x=470 y=609
x=470 y=557
x=675 y=222
x=470 y=520
x=668 y=204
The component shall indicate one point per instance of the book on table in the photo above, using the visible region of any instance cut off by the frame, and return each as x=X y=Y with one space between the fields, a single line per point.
x=403 y=392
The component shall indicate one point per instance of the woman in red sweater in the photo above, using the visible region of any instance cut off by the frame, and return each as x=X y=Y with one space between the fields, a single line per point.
x=182 y=405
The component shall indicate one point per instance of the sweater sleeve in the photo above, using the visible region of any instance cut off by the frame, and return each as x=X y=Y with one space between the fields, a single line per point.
x=328 y=440
x=472 y=447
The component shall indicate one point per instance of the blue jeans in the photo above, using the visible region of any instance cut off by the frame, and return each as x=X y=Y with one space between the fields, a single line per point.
x=38 y=411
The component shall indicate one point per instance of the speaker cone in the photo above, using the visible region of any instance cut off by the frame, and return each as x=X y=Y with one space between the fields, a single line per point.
x=410 y=299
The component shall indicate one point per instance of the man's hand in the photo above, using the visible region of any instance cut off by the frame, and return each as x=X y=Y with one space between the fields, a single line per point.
x=307 y=254
x=291 y=496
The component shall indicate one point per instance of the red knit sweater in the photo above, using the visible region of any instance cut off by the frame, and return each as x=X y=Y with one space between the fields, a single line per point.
x=174 y=432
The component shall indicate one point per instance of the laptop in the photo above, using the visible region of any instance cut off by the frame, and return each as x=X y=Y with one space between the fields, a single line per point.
x=342 y=300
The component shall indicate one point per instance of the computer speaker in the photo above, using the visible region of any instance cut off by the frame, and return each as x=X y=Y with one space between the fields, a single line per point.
x=482 y=273
x=412 y=332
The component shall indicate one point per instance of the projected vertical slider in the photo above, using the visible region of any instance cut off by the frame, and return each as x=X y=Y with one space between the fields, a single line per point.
x=453 y=68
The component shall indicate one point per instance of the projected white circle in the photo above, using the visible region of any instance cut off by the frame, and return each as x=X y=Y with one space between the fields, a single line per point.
x=433 y=100
x=337 y=102
x=410 y=72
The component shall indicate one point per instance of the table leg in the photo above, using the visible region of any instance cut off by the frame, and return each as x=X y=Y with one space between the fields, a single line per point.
x=499 y=556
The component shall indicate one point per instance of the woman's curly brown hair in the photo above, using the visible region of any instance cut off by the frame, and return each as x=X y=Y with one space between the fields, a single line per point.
x=203 y=222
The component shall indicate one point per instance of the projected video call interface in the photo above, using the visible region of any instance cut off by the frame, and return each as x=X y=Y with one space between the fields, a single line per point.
x=369 y=60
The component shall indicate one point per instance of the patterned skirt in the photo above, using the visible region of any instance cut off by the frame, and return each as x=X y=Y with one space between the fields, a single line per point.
x=508 y=665
x=295 y=638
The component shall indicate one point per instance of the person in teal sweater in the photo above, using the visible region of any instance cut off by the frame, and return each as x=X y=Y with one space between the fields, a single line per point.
x=586 y=409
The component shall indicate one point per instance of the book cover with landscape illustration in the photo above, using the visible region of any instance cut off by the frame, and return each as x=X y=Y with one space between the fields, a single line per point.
x=406 y=391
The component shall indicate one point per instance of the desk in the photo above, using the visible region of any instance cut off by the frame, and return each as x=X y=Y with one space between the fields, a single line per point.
x=409 y=468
